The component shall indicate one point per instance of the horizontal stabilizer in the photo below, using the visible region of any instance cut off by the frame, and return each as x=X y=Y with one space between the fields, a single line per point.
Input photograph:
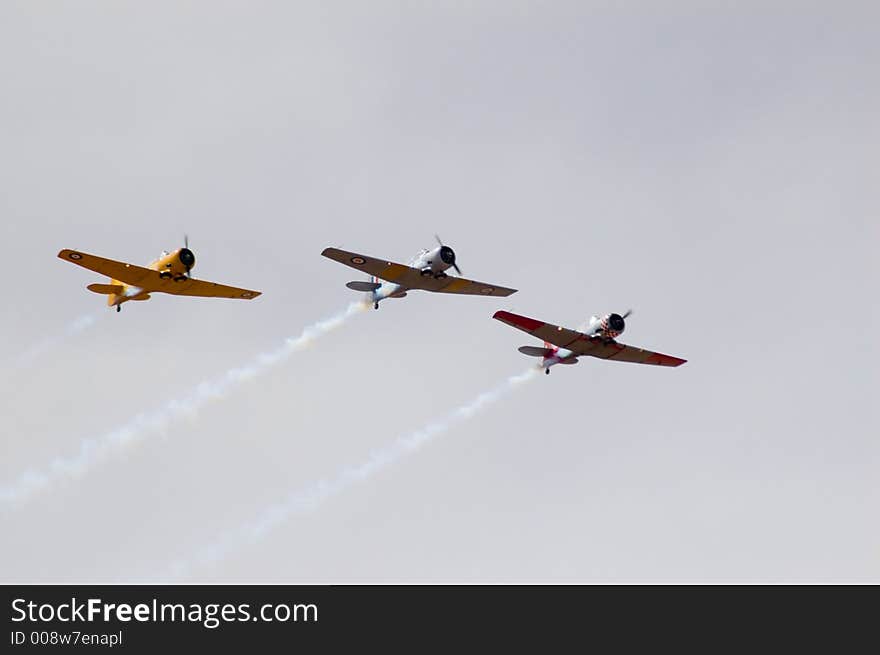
x=535 y=351
x=363 y=286
x=106 y=289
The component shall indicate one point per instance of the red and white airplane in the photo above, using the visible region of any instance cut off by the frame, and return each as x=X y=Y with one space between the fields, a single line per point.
x=595 y=339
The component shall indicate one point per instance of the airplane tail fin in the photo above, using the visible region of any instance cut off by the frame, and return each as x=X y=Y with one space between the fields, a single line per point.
x=111 y=290
x=105 y=289
x=548 y=354
x=372 y=286
x=553 y=351
x=362 y=285
x=536 y=351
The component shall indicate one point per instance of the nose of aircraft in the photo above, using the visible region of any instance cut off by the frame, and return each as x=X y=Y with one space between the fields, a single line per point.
x=187 y=258
x=447 y=254
x=616 y=322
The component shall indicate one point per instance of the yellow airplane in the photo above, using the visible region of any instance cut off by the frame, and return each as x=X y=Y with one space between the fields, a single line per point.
x=167 y=274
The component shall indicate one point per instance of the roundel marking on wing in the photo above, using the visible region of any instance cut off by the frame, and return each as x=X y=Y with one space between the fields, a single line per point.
x=247 y=294
x=75 y=255
x=358 y=261
x=487 y=290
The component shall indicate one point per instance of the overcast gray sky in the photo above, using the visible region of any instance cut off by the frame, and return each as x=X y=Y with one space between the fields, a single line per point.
x=710 y=164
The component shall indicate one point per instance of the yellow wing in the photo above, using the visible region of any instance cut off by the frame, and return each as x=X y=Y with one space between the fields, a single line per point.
x=138 y=276
x=193 y=287
x=149 y=280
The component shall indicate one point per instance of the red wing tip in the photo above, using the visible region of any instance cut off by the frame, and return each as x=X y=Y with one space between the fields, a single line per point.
x=502 y=315
x=523 y=322
x=669 y=360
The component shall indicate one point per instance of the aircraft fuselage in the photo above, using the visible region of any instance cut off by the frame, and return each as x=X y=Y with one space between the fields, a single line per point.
x=594 y=326
x=434 y=262
x=170 y=265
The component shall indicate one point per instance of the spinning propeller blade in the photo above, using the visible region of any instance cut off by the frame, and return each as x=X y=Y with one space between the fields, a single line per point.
x=454 y=264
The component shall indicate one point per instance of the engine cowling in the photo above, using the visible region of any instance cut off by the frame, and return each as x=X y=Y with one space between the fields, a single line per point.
x=186 y=257
x=612 y=326
x=440 y=258
x=176 y=264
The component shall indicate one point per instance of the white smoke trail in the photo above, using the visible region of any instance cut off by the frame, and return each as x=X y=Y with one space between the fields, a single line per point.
x=96 y=449
x=310 y=498
x=40 y=348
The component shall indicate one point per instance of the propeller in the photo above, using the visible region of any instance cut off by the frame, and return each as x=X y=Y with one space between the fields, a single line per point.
x=451 y=254
x=187 y=258
x=617 y=322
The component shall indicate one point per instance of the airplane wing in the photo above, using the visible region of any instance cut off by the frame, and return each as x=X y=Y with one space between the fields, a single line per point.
x=193 y=287
x=149 y=280
x=463 y=286
x=583 y=345
x=411 y=278
x=138 y=276
x=558 y=336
